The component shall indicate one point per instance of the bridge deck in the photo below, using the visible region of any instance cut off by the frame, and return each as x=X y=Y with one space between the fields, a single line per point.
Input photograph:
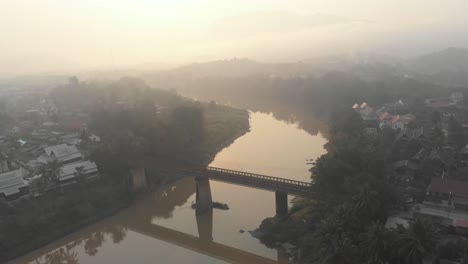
x=265 y=182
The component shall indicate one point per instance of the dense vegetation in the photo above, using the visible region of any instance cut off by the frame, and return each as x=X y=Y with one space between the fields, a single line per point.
x=350 y=226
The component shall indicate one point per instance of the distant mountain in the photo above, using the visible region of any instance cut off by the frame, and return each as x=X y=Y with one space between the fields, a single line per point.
x=448 y=67
x=451 y=59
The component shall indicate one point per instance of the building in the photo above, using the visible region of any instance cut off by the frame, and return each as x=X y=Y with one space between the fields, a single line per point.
x=370 y=119
x=385 y=120
x=463 y=154
x=397 y=108
x=401 y=122
x=412 y=134
x=64 y=153
x=94 y=138
x=396 y=123
x=69 y=172
x=456 y=97
x=403 y=171
x=13 y=186
x=451 y=193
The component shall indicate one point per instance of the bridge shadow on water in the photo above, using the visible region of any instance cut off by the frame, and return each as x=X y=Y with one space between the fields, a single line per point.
x=139 y=218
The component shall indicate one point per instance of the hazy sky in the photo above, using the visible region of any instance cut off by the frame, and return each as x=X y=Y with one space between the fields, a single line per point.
x=67 y=35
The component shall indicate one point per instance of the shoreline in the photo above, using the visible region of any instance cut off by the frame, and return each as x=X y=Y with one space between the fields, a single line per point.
x=44 y=241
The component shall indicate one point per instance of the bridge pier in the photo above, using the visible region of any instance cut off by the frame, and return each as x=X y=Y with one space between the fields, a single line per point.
x=138 y=178
x=281 y=199
x=204 y=201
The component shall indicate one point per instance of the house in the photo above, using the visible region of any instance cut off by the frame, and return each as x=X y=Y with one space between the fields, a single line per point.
x=421 y=155
x=363 y=109
x=13 y=186
x=412 y=134
x=71 y=139
x=369 y=118
x=68 y=172
x=397 y=108
x=443 y=157
x=64 y=153
x=396 y=123
x=369 y=131
x=456 y=97
x=451 y=193
x=463 y=154
x=5 y=164
x=94 y=138
x=395 y=221
x=385 y=120
x=404 y=171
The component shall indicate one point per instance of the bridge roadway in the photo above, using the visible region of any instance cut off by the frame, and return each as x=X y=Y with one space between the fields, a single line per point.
x=270 y=183
x=298 y=188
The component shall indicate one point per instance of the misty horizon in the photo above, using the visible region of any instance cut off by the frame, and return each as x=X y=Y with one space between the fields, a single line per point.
x=59 y=37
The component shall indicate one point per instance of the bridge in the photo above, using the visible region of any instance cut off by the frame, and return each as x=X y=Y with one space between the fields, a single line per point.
x=281 y=186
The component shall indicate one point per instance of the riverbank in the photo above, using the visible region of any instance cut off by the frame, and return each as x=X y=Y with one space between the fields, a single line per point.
x=35 y=223
x=222 y=125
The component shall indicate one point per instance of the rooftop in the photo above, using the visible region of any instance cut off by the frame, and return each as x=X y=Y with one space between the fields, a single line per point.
x=457 y=188
x=63 y=152
x=68 y=171
x=11 y=182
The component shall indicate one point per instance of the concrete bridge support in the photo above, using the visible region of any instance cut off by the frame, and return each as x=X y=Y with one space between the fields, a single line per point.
x=203 y=195
x=281 y=204
x=138 y=178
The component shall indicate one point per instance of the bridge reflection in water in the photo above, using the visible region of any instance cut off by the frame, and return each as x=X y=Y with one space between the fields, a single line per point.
x=140 y=218
x=140 y=221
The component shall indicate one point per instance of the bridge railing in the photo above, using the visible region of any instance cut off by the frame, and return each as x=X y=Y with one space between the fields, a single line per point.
x=260 y=176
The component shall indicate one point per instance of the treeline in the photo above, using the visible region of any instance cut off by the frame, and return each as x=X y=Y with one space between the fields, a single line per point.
x=134 y=119
x=321 y=94
x=350 y=226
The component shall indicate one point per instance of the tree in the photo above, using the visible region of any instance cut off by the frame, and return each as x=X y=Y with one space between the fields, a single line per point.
x=376 y=244
x=416 y=242
x=188 y=124
x=436 y=118
x=50 y=172
x=332 y=244
x=80 y=174
x=455 y=131
x=437 y=136
x=365 y=204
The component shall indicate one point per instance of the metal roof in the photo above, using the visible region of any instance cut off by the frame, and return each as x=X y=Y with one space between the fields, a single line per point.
x=11 y=182
x=68 y=171
x=63 y=152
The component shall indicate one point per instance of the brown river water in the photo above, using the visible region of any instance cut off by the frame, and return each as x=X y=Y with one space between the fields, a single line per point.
x=163 y=228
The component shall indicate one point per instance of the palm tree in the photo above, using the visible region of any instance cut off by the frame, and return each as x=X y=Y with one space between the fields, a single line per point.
x=50 y=173
x=376 y=244
x=366 y=204
x=80 y=174
x=415 y=243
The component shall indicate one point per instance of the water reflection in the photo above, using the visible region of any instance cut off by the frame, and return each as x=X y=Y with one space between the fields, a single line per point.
x=87 y=242
x=291 y=113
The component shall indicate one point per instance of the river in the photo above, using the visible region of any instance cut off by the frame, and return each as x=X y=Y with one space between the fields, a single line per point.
x=163 y=228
